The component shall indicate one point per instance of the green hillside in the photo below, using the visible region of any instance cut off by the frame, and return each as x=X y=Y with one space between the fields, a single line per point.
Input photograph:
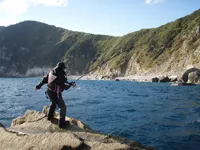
x=166 y=49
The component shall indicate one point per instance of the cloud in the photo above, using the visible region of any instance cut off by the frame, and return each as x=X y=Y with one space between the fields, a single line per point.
x=48 y=3
x=18 y=7
x=13 y=7
x=153 y=1
x=8 y=21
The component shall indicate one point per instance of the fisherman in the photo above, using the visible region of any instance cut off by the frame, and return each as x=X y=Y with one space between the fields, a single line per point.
x=56 y=81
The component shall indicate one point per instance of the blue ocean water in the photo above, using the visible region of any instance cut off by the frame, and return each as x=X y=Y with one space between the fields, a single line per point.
x=155 y=114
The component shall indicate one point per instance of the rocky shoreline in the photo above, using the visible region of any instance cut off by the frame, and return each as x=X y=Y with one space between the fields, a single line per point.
x=191 y=75
x=33 y=131
x=138 y=78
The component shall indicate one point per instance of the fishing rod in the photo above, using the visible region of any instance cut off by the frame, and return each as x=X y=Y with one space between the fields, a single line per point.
x=103 y=62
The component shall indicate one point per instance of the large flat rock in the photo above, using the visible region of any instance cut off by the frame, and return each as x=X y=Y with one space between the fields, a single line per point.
x=33 y=131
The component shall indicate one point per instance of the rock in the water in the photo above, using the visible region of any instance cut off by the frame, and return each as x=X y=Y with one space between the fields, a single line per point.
x=33 y=131
x=165 y=79
x=186 y=73
x=156 y=79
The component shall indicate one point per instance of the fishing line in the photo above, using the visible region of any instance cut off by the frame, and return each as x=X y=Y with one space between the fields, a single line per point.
x=105 y=61
x=102 y=63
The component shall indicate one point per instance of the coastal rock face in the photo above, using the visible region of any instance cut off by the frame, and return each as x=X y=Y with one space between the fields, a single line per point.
x=33 y=131
x=193 y=77
x=191 y=71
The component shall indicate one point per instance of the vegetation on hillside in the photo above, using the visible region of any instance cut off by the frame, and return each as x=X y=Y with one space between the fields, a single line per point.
x=30 y=43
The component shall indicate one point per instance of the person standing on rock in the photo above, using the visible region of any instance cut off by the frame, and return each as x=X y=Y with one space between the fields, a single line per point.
x=56 y=81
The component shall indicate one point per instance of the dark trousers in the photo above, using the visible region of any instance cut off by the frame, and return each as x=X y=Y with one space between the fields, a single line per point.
x=56 y=99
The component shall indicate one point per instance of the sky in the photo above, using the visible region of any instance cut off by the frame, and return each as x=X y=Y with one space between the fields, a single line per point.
x=108 y=17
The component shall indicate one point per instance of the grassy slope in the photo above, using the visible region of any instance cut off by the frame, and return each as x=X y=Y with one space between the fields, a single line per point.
x=31 y=43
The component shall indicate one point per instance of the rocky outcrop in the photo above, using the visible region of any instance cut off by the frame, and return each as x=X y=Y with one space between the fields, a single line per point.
x=193 y=77
x=187 y=72
x=190 y=77
x=156 y=79
x=164 y=79
x=33 y=131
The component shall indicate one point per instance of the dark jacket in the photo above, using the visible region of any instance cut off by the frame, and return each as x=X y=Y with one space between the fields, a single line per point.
x=56 y=80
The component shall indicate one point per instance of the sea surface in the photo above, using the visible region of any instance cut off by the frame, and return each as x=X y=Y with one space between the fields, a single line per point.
x=156 y=114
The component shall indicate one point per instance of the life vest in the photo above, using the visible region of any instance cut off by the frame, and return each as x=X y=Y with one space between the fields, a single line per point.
x=51 y=77
x=52 y=83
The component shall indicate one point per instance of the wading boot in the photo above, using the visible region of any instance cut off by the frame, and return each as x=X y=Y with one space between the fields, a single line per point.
x=63 y=123
x=50 y=117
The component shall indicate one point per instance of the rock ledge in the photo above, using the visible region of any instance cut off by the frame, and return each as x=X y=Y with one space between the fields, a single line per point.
x=33 y=131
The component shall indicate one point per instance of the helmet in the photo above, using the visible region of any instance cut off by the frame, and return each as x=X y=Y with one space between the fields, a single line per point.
x=61 y=65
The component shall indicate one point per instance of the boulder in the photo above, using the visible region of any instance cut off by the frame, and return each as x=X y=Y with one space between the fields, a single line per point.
x=156 y=79
x=33 y=131
x=164 y=79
